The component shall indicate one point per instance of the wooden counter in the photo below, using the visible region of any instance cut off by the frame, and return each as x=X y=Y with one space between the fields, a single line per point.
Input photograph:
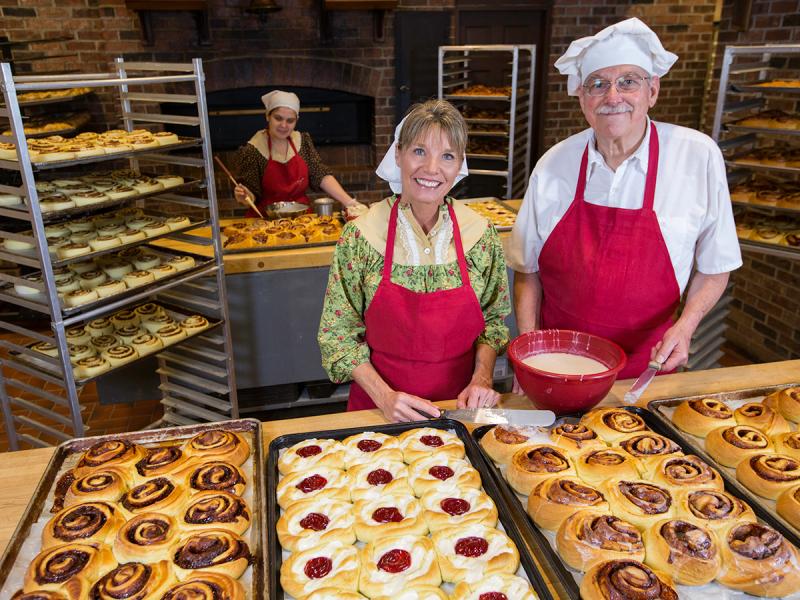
x=20 y=471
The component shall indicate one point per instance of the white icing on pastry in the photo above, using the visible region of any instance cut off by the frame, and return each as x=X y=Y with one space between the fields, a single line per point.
x=515 y=588
x=343 y=558
x=473 y=566
x=420 y=470
x=408 y=506
x=362 y=489
x=422 y=555
x=290 y=461
x=355 y=456
x=477 y=499
x=337 y=481
x=413 y=441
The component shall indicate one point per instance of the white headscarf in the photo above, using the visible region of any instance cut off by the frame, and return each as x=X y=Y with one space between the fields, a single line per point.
x=389 y=171
x=278 y=98
x=629 y=42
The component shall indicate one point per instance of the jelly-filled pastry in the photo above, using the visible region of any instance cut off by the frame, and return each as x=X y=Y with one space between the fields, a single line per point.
x=713 y=509
x=500 y=443
x=147 y=537
x=310 y=453
x=588 y=537
x=685 y=551
x=418 y=443
x=364 y=447
x=443 y=509
x=531 y=465
x=441 y=472
x=639 y=502
x=391 y=564
x=215 y=550
x=613 y=424
x=699 y=417
x=322 y=482
x=471 y=552
x=417 y=592
x=388 y=515
x=379 y=477
x=625 y=578
x=330 y=564
x=556 y=498
x=495 y=586
x=89 y=523
x=309 y=523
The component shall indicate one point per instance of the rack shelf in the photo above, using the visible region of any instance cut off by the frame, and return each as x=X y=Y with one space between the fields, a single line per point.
x=198 y=290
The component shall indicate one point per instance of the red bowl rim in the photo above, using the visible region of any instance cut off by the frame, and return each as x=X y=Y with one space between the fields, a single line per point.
x=513 y=354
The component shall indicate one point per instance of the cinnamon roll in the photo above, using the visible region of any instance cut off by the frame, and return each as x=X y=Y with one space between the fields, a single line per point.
x=684 y=551
x=310 y=453
x=713 y=509
x=441 y=472
x=788 y=443
x=101 y=326
x=530 y=466
x=556 y=498
x=109 y=453
x=649 y=448
x=39 y=594
x=471 y=552
x=120 y=355
x=683 y=472
x=110 y=288
x=148 y=536
x=160 y=494
x=597 y=466
x=148 y=310
x=216 y=476
x=90 y=523
x=322 y=482
x=588 y=537
x=788 y=505
x=124 y=318
x=218 y=444
x=80 y=297
x=162 y=460
x=761 y=417
x=495 y=587
x=390 y=565
x=625 y=578
x=91 y=366
x=104 y=342
x=68 y=568
x=181 y=263
x=731 y=445
x=146 y=343
x=639 y=502
x=156 y=322
x=194 y=324
x=787 y=402
x=138 y=278
x=442 y=509
x=613 y=424
x=107 y=484
x=500 y=443
x=309 y=523
x=218 y=510
x=424 y=441
x=373 y=480
x=169 y=334
x=215 y=550
x=700 y=417
x=206 y=586
x=576 y=437
x=388 y=515
x=127 y=333
x=769 y=474
x=758 y=560
x=134 y=581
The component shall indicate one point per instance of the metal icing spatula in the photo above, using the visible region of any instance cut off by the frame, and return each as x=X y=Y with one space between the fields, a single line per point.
x=640 y=385
x=502 y=416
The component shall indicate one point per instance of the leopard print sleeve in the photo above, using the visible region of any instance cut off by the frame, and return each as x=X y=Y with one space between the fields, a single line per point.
x=249 y=165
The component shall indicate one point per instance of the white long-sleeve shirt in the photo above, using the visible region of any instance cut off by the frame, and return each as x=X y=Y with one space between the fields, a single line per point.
x=692 y=202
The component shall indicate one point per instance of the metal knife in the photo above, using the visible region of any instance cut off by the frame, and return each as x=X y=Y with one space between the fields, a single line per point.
x=501 y=416
x=640 y=385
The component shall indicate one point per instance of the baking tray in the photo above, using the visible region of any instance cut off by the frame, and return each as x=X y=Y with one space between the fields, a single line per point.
x=733 y=162
x=513 y=520
x=56 y=100
x=777 y=205
x=176 y=313
x=766 y=130
x=474 y=97
x=654 y=422
x=39 y=507
x=200 y=263
x=497 y=201
x=277 y=248
x=752 y=87
x=486 y=156
x=662 y=410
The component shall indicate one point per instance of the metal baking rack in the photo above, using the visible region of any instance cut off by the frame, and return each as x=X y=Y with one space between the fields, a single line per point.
x=201 y=388
x=457 y=71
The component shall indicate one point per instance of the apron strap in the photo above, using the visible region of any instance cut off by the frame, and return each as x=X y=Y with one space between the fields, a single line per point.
x=388 y=253
x=581 y=185
x=652 y=170
x=462 y=261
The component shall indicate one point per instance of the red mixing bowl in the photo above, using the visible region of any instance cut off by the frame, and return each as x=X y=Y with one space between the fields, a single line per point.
x=565 y=393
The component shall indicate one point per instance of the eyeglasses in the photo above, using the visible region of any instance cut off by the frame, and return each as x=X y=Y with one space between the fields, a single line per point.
x=627 y=84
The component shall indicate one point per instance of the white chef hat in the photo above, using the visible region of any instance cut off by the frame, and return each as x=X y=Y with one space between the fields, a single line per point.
x=389 y=171
x=278 y=98
x=629 y=42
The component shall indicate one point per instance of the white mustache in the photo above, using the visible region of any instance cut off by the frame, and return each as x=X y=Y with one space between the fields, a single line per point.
x=614 y=110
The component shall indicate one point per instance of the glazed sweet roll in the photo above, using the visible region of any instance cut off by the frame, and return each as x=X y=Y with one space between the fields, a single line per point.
x=148 y=536
x=134 y=580
x=639 y=502
x=391 y=564
x=89 y=523
x=216 y=476
x=388 y=515
x=161 y=460
x=713 y=509
x=649 y=448
x=588 y=537
x=219 y=510
x=613 y=424
x=159 y=494
x=699 y=417
x=530 y=466
x=109 y=453
x=686 y=552
x=107 y=484
x=598 y=466
x=769 y=474
x=624 y=578
x=331 y=564
x=576 y=437
x=500 y=443
x=556 y=498
x=68 y=568
x=218 y=444
x=682 y=472
x=215 y=550
x=471 y=552
x=203 y=585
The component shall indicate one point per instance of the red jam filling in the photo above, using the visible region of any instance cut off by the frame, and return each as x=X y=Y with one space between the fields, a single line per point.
x=471 y=546
x=318 y=567
x=441 y=472
x=493 y=596
x=315 y=522
x=434 y=441
x=454 y=506
x=369 y=445
x=310 y=484
x=387 y=514
x=394 y=561
x=307 y=451
x=379 y=477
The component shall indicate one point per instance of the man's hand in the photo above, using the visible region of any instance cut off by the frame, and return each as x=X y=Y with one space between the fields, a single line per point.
x=673 y=349
x=241 y=194
x=400 y=407
x=478 y=394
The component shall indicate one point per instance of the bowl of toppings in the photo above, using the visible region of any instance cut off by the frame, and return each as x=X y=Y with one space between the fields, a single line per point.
x=563 y=370
x=285 y=210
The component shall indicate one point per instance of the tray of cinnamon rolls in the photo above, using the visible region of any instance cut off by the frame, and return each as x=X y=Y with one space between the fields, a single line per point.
x=633 y=511
x=304 y=231
x=158 y=515
x=403 y=512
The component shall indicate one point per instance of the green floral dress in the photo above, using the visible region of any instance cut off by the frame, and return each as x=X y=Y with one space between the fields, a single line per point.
x=356 y=271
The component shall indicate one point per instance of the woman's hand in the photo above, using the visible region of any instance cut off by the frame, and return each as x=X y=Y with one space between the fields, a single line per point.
x=478 y=394
x=399 y=407
x=241 y=193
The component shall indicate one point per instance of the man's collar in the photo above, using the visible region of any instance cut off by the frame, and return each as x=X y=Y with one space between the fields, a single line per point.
x=639 y=157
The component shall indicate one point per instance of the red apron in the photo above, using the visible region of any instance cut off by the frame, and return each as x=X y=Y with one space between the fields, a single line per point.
x=283 y=182
x=607 y=271
x=421 y=343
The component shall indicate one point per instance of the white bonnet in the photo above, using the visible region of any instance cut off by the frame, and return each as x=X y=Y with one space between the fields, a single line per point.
x=278 y=98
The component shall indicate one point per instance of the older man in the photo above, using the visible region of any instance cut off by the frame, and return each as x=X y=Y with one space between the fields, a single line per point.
x=615 y=217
